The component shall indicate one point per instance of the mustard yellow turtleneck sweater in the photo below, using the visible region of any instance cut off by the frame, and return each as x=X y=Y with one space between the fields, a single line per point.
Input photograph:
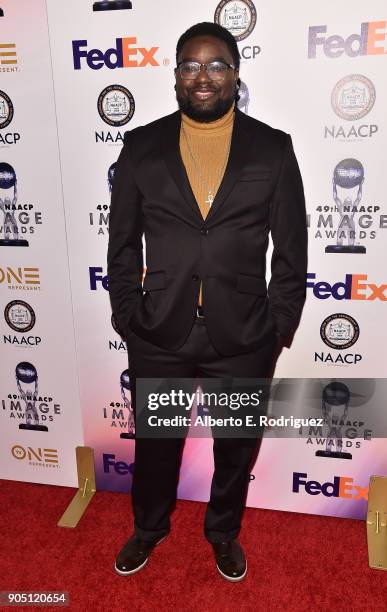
x=208 y=144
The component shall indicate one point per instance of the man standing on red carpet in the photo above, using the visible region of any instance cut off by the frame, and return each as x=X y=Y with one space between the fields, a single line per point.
x=205 y=186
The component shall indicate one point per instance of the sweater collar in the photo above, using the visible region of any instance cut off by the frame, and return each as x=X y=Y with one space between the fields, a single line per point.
x=213 y=127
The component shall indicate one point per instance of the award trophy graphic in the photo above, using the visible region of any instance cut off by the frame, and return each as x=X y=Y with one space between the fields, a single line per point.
x=125 y=385
x=110 y=176
x=10 y=231
x=335 y=405
x=111 y=5
x=243 y=99
x=348 y=174
x=26 y=373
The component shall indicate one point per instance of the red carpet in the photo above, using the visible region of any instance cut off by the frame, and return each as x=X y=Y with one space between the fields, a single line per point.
x=296 y=561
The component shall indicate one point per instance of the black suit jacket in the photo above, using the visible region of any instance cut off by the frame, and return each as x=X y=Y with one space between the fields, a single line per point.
x=261 y=192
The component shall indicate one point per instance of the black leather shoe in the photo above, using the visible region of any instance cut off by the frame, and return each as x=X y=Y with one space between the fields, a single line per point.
x=134 y=555
x=230 y=560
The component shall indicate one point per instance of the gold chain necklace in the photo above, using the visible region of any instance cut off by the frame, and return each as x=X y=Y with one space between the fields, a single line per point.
x=210 y=194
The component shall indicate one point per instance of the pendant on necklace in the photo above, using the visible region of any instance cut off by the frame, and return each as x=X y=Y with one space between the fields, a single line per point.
x=210 y=198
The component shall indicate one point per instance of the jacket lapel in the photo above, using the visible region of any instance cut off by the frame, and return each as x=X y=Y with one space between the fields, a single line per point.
x=239 y=150
x=171 y=152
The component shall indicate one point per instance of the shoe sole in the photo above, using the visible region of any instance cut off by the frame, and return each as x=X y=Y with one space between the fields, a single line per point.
x=229 y=577
x=136 y=569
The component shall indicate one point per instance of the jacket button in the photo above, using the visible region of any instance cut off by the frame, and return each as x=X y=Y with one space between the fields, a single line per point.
x=195 y=277
x=204 y=231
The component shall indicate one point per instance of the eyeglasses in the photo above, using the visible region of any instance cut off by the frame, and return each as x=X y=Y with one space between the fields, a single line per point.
x=216 y=71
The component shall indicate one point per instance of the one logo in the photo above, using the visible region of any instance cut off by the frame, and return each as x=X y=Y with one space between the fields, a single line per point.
x=368 y=42
x=353 y=97
x=116 y=105
x=20 y=278
x=237 y=16
x=6 y=110
x=8 y=56
x=339 y=331
x=36 y=456
x=20 y=316
x=125 y=54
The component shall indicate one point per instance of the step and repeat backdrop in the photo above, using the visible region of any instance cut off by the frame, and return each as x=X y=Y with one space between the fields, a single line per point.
x=73 y=79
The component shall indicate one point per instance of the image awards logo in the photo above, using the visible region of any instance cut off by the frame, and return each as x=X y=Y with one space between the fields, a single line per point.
x=111 y=5
x=243 y=99
x=335 y=406
x=348 y=175
x=110 y=176
x=100 y=220
x=10 y=230
x=125 y=386
x=27 y=375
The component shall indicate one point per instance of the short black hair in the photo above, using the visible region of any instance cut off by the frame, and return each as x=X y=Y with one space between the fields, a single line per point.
x=207 y=28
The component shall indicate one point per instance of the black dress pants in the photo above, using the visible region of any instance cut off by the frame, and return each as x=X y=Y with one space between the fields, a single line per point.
x=157 y=461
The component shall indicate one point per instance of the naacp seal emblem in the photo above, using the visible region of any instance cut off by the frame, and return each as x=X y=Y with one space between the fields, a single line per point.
x=339 y=331
x=237 y=16
x=116 y=105
x=6 y=110
x=353 y=97
x=20 y=316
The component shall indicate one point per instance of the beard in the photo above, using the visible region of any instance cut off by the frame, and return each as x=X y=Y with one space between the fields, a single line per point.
x=202 y=112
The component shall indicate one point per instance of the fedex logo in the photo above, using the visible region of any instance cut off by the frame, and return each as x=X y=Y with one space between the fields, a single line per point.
x=342 y=486
x=125 y=54
x=369 y=42
x=354 y=287
x=96 y=276
x=120 y=467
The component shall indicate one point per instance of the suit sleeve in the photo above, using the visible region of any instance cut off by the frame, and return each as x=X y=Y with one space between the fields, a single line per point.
x=287 y=286
x=125 y=254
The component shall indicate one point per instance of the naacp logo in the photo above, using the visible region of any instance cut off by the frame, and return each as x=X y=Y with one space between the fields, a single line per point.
x=339 y=331
x=237 y=16
x=6 y=110
x=116 y=105
x=20 y=316
x=353 y=97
